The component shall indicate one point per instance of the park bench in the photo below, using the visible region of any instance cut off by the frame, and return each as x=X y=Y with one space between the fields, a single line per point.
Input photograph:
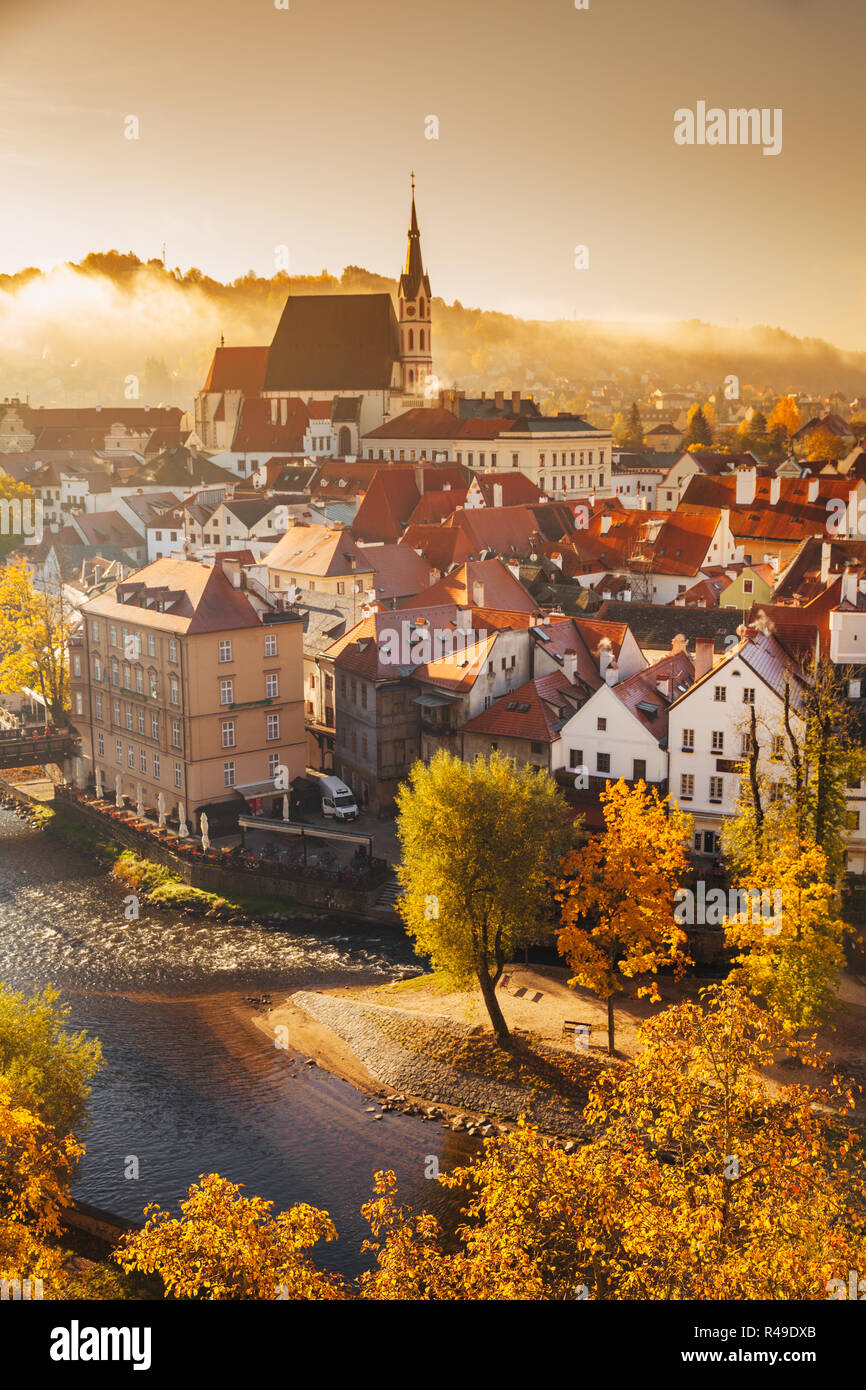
x=573 y=1025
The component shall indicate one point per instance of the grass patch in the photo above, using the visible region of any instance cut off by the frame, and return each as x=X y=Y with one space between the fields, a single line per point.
x=436 y=982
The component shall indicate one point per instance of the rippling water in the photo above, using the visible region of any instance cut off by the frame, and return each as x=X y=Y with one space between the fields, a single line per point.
x=190 y=1085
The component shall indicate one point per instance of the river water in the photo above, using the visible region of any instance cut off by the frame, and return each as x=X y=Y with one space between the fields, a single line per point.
x=190 y=1085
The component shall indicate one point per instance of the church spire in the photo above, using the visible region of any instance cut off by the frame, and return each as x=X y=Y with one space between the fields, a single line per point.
x=414 y=277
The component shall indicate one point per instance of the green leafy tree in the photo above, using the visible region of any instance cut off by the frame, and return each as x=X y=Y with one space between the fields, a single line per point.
x=698 y=429
x=481 y=843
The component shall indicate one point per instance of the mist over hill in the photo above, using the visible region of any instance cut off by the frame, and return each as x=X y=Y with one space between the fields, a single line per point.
x=75 y=334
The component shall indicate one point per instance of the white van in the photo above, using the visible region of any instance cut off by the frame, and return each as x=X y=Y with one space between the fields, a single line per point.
x=337 y=799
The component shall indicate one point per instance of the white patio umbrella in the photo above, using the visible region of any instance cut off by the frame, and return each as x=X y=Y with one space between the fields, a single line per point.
x=118 y=794
x=183 y=829
x=205 y=838
x=160 y=806
x=285 y=808
x=98 y=778
x=139 y=800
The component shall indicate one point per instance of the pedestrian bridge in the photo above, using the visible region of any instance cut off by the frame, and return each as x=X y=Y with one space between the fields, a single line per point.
x=27 y=750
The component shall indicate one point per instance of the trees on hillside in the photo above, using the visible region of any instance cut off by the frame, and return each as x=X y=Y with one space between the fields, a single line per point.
x=481 y=843
x=617 y=895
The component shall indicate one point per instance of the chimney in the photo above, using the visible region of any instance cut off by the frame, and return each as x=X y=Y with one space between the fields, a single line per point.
x=569 y=665
x=463 y=619
x=826 y=555
x=746 y=482
x=606 y=523
x=849 y=586
x=704 y=653
x=678 y=644
x=500 y=400
x=515 y=402
x=497 y=494
x=478 y=593
x=556 y=559
x=775 y=490
x=812 y=492
x=483 y=396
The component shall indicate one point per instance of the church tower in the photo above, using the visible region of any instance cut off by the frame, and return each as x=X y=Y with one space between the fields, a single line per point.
x=416 y=353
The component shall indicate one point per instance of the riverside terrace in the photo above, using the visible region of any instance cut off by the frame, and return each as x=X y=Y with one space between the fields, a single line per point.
x=26 y=748
x=272 y=849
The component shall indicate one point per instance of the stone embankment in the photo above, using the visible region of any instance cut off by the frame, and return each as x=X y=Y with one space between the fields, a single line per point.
x=415 y=1057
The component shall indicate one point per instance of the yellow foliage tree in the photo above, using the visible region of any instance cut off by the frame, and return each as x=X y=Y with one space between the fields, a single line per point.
x=35 y=1170
x=787 y=414
x=228 y=1246
x=481 y=844
x=35 y=625
x=788 y=937
x=699 y=1184
x=617 y=896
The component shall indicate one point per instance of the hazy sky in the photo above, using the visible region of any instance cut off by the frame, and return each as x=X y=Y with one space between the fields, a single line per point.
x=261 y=127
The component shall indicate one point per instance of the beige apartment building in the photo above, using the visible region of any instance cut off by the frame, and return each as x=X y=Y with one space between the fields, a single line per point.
x=179 y=685
x=323 y=559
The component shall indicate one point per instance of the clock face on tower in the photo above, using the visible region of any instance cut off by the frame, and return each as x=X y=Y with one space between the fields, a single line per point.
x=410 y=309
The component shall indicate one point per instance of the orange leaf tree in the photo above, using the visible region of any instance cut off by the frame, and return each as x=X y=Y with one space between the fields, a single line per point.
x=228 y=1246
x=617 y=895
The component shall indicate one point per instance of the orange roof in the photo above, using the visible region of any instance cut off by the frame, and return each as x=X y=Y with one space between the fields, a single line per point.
x=320 y=552
x=536 y=710
x=192 y=598
x=237 y=369
x=499 y=588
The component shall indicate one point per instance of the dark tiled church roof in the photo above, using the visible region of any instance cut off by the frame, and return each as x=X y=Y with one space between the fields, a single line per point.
x=334 y=342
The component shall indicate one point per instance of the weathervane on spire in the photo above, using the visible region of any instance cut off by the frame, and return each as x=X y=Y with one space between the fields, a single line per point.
x=412 y=176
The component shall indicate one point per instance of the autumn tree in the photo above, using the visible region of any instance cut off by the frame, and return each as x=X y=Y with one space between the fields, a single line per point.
x=785 y=413
x=617 y=896
x=35 y=1171
x=788 y=938
x=47 y=1067
x=697 y=1183
x=480 y=844
x=35 y=626
x=229 y=1246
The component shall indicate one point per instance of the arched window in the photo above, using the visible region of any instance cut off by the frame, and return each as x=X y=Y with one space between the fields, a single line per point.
x=411 y=377
x=422 y=306
x=411 y=341
x=421 y=339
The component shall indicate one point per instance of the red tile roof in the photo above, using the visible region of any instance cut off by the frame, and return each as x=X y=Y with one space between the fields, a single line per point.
x=499 y=588
x=237 y=369
x=535 y=711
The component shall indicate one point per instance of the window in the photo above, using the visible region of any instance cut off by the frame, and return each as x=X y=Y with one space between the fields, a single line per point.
x=151 y=644
x=228 y=733
x=601 y=725
x=76 y=664
x=777 y=749
x=112 y=635
x=718 y=741
x=716 y=788
x=720 y=693
x=273 y=726
x=156 y=766
x=271 y=644
x=638 y=772
x=142 y=760
x=515 y=460
x=97 y=669
x=852 y=819
x=172 y=650
x=100 y=743
x=115 y=712
x=225 y=651
x=139 y=717
x=228 y=774
x=175 y=733
x=118 y=751
x=94 y=629
x=178 y=775
x=173 y=690
x=154 y=688
x=687 y=786
x=139 y=680
x=154 y=726
x=748 y=586
x=130 y=757
x=115 y=673
x=79 y=702
x=364 y=745
x=98 y=704
x=602 y=762
x=536 y=747
x=273 y=764
x=748 y=694
x=688 y=740
x=272 y=686
x=129 y=716
x=227 y=695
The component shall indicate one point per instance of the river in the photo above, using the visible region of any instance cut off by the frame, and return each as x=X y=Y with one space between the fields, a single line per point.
x=190 y=1085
